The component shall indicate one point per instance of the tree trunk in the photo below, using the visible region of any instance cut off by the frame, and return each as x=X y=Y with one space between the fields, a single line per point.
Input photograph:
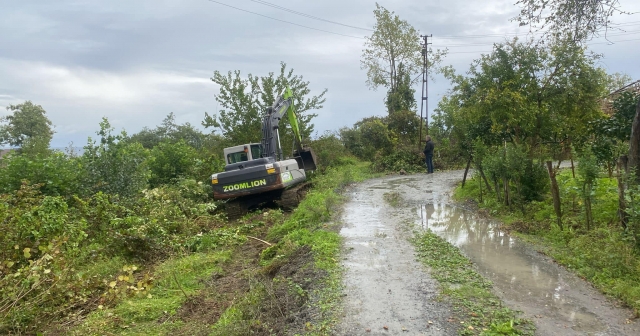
x=555 y=193
x=466 y=170
x=634 y=144
x=484 y=177
x=498 y=193
x=622 y=203
x=480 y=184
x=573 y=167
x=507 y=196
x=586 y=190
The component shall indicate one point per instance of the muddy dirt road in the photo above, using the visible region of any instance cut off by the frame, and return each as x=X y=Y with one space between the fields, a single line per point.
x=385 y=285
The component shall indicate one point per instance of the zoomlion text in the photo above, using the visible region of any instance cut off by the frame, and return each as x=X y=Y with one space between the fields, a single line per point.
x=245 y=185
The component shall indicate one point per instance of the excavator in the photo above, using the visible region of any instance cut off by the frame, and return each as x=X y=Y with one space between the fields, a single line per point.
x=258 y=173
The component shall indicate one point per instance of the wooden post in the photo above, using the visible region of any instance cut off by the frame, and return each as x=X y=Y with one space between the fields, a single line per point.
x=622 y=203
x=573 y=168
x=634 y=143
x=587 y=204
x=555 y=193
x=466 y=170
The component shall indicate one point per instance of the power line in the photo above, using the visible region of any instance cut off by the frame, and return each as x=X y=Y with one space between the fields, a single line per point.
x=306 y=15
x=613 y=28
x=491 y=43
x=291 y=23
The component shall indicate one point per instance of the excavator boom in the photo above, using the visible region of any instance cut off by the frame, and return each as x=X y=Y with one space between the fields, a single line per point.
x=284 y=104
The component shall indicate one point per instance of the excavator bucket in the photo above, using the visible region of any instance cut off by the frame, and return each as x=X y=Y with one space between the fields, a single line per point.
x=308 y=158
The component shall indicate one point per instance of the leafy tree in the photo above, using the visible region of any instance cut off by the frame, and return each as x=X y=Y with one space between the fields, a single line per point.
x=115 y=166
x=55 y=174
x=617 y=80
x=368 y=137
x=393 y=43
x=169 y=161
x=402 y=98
x=27 y=127
x=580 y=19
x=530 y=95
x=245 y=100
x=169 y=131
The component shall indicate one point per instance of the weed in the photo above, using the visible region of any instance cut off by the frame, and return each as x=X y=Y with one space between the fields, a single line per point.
x=393 y=198
x=480 y=311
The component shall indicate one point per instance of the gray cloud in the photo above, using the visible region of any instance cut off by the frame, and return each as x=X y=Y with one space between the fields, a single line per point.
x=136 y=61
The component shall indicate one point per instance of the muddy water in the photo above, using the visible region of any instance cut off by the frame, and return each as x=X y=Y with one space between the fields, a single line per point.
x=558 y=302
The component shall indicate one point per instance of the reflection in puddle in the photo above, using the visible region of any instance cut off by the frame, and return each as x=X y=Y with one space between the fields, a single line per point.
x=528 y=282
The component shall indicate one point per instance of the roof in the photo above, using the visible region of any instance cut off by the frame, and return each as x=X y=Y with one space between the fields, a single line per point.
x=607 y=103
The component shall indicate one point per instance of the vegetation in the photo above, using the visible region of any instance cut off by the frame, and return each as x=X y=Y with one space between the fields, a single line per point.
x=27 y=127
x=123 y=238
x=245 y=100
x=479 y=310
x=587 y=221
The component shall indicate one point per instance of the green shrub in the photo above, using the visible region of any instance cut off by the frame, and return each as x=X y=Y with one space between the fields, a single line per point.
x=170 y=161
x=331 y=151
x=407 y=158
x=57 y=174
x=114 y=166
x=40 y=238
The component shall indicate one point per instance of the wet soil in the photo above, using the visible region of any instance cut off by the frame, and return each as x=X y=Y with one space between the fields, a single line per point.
x=386 y=286
x=280 y=311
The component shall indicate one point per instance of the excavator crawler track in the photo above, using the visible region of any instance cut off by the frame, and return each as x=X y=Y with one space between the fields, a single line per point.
x=287 y=200
x=291 y=198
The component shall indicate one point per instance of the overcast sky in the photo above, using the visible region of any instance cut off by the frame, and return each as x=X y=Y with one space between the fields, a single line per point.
x=136 y=61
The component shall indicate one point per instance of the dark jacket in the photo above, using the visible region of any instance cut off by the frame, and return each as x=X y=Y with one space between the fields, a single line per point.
x=428 y=148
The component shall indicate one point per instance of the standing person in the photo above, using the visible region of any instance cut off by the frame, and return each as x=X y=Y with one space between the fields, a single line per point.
x=428 y=154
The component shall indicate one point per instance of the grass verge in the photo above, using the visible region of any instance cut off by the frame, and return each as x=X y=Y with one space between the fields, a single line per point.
x=267 y=274
x=480 y=311
x=603 y=255
x=301 y=268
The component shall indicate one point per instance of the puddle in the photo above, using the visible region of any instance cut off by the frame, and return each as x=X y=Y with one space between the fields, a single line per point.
x=524 y=280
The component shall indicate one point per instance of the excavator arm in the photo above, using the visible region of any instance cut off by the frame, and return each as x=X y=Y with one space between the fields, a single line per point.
x=271 y=132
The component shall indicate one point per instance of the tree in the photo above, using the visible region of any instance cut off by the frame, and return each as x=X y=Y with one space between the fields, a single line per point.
x=27 y=127
x=617 y=81
x=531 y=95
x=579 y=19
x=170 y=161
x=244 y=101
x=402 y=97
x=169 y=131
x=114 y=165
x=394 y=42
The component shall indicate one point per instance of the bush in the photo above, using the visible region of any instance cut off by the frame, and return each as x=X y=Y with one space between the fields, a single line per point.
x=170 y=161
x=57 y=174
x=405 y=158
x=331 y=152
x=40 y=238
x=115 y=166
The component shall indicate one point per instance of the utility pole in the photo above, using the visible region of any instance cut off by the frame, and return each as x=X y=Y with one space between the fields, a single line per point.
x=424 y=103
